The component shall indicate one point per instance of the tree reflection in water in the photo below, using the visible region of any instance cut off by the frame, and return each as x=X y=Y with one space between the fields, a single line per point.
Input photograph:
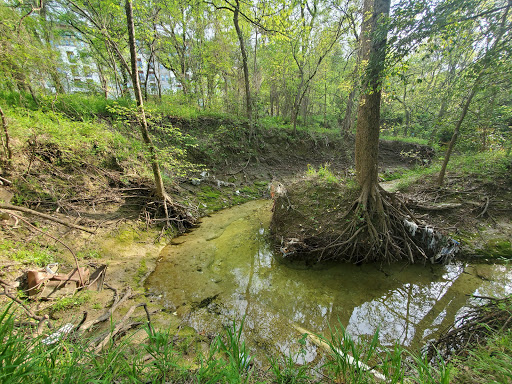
x=228 y=259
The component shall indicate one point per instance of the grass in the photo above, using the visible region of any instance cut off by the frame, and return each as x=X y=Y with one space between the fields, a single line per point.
x=27 y=253
x=416 y=140
x=485 y=166
x=24 y=359
x=491 y=363
x=69 y=302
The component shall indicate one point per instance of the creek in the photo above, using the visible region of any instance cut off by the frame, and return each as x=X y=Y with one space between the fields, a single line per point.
x=226 y=269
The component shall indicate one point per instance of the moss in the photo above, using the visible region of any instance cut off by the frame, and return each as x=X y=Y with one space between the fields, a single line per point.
x=127 y=235
x=141 y=273
x=497 y=248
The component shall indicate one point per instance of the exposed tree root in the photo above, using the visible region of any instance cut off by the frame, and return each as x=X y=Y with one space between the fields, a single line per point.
x=171 y=213
x=318 y=222
x=45 y=216
x=375 y=229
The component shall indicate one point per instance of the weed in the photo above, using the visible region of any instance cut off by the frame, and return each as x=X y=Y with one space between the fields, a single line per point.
x=350 y=360
x=70 y=302
x=287 y=371
x=239 y=360
x=427 y=374
x=323 y=173
x=491 y=363
x=228 y=360
x=87 y=255
x=161 y=348
x=30 y=253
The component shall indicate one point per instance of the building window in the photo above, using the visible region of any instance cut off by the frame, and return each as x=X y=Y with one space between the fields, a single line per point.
x=71 y=56
x=74 y=70
x=87 y=71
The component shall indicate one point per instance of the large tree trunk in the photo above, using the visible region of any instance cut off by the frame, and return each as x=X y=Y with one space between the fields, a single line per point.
x=160 y=190
x=373 y=52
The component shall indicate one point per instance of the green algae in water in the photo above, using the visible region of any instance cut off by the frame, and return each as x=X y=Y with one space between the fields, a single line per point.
x=226 y=269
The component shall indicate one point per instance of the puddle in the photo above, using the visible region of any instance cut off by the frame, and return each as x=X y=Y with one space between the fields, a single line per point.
x=225 y=270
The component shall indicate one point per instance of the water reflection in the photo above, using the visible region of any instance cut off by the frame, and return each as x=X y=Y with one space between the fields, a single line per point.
x=225 y=269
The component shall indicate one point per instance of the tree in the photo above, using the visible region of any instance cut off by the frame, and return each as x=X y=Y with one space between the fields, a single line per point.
x=373 y=53
x=375 y=227
x=489 y=57
x=160 y=189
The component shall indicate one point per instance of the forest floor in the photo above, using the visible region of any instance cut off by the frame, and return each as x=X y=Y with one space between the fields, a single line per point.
x=120 y=210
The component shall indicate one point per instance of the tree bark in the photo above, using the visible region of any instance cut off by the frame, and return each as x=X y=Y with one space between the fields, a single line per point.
x=160 y=190
x=373 y=52
x=346 y=125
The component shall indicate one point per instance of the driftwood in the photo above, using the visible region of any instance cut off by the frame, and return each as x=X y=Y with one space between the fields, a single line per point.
x=122 y=326
x=45 y=216
x=108 y=313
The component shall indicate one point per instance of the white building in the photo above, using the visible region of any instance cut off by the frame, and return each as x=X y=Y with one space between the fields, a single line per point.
x=80 y=73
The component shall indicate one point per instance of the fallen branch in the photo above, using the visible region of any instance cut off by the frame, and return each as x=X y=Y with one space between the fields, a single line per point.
x=5 y=181
x=353 y=362
x=120 y=326
x=108 y=314
x=45 y=216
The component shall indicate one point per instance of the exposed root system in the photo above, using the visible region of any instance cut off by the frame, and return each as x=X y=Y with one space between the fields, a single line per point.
x=376 y=230
x=351 y=225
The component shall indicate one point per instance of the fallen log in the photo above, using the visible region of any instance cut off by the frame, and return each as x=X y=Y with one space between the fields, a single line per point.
x=435 y=207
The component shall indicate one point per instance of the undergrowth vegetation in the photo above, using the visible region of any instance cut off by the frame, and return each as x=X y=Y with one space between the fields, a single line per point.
x=164 y=357
x=70 y=359
x=482 y=166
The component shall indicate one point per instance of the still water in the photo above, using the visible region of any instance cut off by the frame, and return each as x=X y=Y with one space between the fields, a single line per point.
x=225 y=269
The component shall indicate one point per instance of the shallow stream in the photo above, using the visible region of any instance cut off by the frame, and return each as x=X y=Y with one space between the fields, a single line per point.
x=225 y=269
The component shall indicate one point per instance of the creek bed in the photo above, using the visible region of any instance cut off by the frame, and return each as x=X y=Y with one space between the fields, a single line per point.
x=226 y=269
